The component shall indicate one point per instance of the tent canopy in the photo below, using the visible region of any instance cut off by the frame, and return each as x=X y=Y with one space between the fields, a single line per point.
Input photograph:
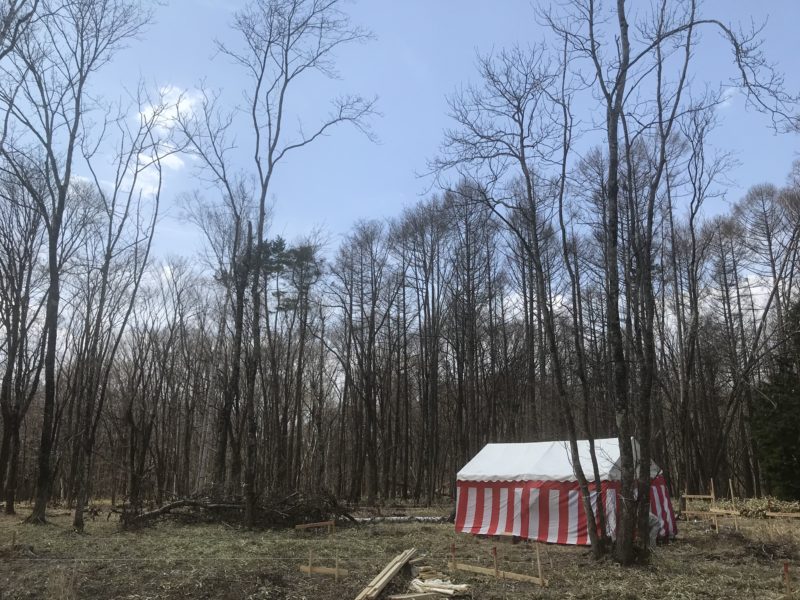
x=545 y=461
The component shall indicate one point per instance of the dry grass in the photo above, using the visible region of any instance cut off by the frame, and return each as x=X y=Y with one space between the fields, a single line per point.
x=174 y=561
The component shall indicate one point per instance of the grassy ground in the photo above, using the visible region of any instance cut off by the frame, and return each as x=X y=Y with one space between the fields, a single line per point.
x=175 y=561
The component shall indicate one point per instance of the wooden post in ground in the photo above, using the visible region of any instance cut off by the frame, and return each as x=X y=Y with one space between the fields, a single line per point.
x=494 y=556
x=713 y=497
x=786 y=579
x=309 y=563
x=538 y=562
x=452 y=556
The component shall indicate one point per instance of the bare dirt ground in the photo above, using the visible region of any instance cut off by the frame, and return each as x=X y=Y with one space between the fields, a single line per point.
x=176 y=560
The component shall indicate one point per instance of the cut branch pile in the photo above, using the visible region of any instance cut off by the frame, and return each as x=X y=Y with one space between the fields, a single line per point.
x=287 y=511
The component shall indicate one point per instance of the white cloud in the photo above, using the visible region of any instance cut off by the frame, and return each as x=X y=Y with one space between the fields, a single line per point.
x=163 y=111
x=172 y=101
x=728 y=96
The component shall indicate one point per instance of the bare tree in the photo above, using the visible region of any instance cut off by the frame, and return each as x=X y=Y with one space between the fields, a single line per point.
x=282 y=42
x=47 y=99
x=21 y=302
x=119 y=257
x=15 y=17
x=509 y=126
x=630 y=73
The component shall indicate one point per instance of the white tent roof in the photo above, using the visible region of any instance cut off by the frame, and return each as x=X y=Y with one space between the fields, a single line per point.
x=544 y=461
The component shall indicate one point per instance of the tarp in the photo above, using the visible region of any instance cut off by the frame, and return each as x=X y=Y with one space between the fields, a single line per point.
x=530 y=491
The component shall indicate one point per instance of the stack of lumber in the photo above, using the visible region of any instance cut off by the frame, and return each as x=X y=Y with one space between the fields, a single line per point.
x=439 y=587
x=429 y=584
x=375 y=587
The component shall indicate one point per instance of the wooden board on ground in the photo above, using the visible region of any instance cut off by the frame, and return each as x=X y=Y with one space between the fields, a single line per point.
x=376 y=586
x=697 y=496
x=496 y=573
x=336 y=571
x=329 y=524
x=419 y=596
x=722 y=511
x=784 y=515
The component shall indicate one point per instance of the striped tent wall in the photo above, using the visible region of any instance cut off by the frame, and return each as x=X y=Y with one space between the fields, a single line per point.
x=547 y=511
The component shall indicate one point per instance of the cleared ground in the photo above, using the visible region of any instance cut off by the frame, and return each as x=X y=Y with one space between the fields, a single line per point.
x=176 y=560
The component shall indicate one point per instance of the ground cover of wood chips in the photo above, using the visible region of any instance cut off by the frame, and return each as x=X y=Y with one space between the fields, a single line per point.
x=175 y=560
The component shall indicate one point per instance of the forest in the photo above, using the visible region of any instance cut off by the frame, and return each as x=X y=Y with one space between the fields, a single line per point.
x=576 y=270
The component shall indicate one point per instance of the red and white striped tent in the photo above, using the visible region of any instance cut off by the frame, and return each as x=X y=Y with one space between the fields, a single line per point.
x=530 y=491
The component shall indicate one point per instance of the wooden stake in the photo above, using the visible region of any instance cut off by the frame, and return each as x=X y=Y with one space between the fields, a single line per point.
x=538 y=562
x=494 y=555
x=712 y=492
x=786 y=580
x=309 y=563
x=549 y=556
x=452 y=554
x=336 y=574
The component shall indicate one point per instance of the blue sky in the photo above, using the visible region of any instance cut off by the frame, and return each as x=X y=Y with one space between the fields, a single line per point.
x=424 y=49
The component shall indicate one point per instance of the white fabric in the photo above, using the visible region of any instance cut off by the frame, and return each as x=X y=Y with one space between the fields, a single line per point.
x=544 y=461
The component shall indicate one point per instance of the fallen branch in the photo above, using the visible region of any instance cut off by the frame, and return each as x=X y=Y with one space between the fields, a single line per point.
x=403 y=519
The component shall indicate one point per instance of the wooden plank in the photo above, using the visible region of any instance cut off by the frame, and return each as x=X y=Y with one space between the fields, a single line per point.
x=784 y=515
x=313 y=525
x=324 y=570
x=387 y=575
x=500 y=574
x=699 y=513
x=723 y=511
x=416 y=596
x=698 y=496
x=375 y=587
